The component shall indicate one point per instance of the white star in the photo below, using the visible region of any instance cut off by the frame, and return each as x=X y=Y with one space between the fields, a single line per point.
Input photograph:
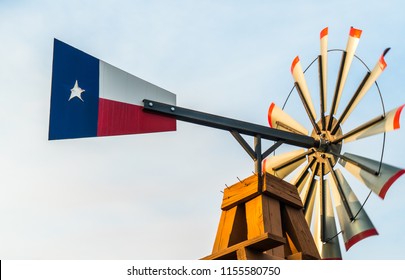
x=76 y=91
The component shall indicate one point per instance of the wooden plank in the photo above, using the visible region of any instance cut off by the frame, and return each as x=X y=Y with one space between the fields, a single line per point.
x=299 y=232
x=272 y=216
x=254 y=217
x=224 y=230
x=250 y=254
x=241 y=254
x=240 y=192
x=294 y=257
x=290 y=247
x=239 y=228
x=228 y=254
x=263 y=215
x=277 y=252
x=236 y=188
x=262 y=243
x=300 y=256
x=232 y=228
x=282 y=191
x=273 y=223
x=265 y=242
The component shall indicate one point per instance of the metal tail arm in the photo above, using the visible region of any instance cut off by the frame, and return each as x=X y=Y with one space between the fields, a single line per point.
x=228 y=124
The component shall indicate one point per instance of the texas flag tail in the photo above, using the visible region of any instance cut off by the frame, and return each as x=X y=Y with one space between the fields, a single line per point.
x=91 y=98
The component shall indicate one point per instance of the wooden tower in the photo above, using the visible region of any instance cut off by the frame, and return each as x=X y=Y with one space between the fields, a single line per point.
x=264 y=223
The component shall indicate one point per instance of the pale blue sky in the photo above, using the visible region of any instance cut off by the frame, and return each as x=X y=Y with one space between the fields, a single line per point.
x=157 y=196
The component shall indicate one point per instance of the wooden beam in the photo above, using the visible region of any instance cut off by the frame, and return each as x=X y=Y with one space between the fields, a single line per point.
x=240 y=192
x=250 y=254
x=231 y=228
x=262 y=243
x=298 y=230
x=282 y=191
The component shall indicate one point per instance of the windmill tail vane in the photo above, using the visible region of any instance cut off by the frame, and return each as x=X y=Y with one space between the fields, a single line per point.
x=322 y=186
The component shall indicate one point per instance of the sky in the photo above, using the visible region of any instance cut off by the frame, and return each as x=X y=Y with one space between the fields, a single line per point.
x=158 y=196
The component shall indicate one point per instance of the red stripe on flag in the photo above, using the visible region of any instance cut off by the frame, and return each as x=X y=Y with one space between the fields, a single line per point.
x=118 y=118
x=324 y=32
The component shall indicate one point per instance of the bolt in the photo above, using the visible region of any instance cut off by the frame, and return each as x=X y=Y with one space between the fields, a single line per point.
x=172 y=109
x=150 y=104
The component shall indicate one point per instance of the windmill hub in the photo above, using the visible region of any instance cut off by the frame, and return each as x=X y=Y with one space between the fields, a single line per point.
x=326 y=150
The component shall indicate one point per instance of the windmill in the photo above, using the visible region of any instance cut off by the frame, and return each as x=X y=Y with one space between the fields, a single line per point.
x=263 y=216
x=319 y=178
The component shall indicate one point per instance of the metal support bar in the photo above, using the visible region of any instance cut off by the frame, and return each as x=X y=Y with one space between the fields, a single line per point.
x=321 y=91
x=228 y=124
x=323 y=202
x=304 y=101
x=311 y=188
x=335 y=96
x=258 y=162
x=288 y=128
x=350 y=105
x=358 y=129
x=293 y=160
x=305 y=171
x=244 y=145
x=272 y=149
x=340 y=190
x=358 y=164
x=256 y=154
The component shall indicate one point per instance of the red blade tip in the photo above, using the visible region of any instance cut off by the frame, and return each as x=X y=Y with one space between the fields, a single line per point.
x=295 y=61
x=324 y=32
x=355 y=32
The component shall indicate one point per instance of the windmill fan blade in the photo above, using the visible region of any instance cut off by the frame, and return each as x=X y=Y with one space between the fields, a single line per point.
x=325 y=232
x=366 y=84
x=323 y=73
x=379 y=183
x=310 y=200
x=301 y=178
x=282 y=165
x=304 y=188
x=352 y=43
x=378 y=125
x=281 y=120
x=361 y=226
x=299 y=78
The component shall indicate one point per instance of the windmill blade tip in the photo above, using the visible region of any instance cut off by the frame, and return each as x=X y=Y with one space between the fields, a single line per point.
x=360 y=236
x=294 y=63
x=382 y=63
x=397 y=117
x=269 y=114
x=386 y=51
x=324 y=32
x=389 y=183
x=354 y=32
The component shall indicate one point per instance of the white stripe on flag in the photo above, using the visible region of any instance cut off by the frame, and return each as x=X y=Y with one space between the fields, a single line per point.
x=118 y=85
